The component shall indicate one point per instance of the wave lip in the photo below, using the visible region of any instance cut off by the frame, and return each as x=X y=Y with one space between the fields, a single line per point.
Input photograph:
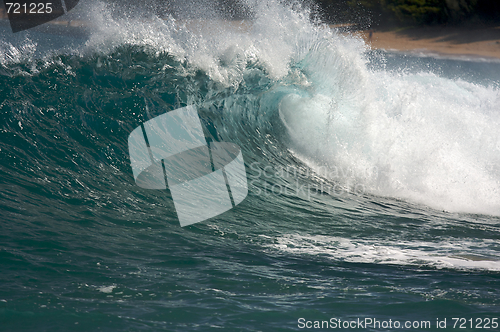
x=422 y=137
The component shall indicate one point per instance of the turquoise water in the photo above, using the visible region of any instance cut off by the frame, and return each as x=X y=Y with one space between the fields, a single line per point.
x=374 y=185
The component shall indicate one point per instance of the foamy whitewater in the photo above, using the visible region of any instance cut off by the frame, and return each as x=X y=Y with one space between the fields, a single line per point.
x=374 y=178
x=414 y=136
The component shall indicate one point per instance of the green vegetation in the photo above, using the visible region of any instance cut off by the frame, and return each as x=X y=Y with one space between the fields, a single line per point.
x=383 y=12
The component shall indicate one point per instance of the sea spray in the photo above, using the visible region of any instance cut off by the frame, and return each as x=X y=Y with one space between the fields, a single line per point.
x=311 y=111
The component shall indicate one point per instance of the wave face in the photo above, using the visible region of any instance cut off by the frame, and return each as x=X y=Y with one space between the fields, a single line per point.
x=374 y=178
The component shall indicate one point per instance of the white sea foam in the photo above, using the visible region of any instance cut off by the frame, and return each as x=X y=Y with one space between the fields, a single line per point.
x=462 y=255
x=107 y=289
x=9 y=53
x=430 y=139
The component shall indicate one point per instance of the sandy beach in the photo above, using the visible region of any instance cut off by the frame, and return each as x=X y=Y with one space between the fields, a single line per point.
x=447 y=41
x=482 y=42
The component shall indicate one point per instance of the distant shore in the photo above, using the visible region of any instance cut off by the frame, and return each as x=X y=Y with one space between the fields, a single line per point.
x=478 y=42
x=472 y=42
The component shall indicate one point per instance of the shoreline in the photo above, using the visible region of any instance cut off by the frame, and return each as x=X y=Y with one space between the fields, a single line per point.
x=472 y=43
x=449 y=42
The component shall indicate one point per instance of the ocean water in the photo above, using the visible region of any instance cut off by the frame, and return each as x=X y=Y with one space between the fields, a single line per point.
x=374 y=180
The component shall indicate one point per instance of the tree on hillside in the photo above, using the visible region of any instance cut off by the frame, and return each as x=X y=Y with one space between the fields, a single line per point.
x=416 y=11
